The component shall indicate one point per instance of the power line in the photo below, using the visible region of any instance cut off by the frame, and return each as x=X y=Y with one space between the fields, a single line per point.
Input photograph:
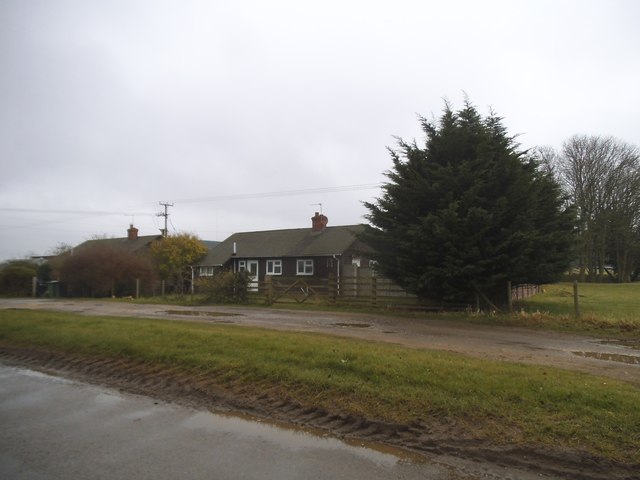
x=217 y=198
x=282 y=193
x=70 y=212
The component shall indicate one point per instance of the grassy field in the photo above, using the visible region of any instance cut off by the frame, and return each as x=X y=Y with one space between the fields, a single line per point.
x=502 y=402
x=605 y=308
x=614 y=301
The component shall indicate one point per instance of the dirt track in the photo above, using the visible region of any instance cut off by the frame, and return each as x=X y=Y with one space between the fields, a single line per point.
x=436 y=438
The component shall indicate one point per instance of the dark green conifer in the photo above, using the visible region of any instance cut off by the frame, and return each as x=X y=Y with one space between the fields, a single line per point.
x=468 y=212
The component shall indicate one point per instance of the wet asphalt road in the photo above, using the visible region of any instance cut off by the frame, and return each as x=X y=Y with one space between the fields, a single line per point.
x=53 y=428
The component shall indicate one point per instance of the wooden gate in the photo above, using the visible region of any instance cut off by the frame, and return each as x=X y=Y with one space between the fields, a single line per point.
x=298 y=290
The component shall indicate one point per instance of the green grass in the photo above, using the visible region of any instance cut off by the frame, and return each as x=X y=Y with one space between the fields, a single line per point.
x=612 y=309
x=498 y=401
x=613 y=301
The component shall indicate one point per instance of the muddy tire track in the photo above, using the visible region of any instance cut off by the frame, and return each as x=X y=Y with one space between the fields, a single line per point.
x=435 y=438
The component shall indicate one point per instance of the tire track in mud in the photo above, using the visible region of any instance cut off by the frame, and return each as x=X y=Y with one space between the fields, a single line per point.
x=436 y=438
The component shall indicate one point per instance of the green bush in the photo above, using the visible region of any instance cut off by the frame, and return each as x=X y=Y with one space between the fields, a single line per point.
x=16 y=277
x=224 y=287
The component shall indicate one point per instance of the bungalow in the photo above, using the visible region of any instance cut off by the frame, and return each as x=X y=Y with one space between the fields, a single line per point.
x=305 y=252
x=132 y=242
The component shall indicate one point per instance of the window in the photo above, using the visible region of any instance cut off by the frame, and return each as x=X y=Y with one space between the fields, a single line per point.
x=274 y=267
x=206 y=271
x=304 y=266
x=373 y=265
x=242 y=265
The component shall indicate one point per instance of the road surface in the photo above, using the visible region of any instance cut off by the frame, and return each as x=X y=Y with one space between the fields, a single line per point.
x=55 y=428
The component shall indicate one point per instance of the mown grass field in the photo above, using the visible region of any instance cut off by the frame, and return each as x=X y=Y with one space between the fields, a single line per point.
x=604 y=308
x=502 y=402
x=614 y=301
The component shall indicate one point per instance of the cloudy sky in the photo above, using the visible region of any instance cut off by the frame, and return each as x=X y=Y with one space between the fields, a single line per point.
x=245 y=114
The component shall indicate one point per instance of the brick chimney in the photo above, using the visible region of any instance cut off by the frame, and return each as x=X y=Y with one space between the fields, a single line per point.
x=318 y=222
x=132 y=233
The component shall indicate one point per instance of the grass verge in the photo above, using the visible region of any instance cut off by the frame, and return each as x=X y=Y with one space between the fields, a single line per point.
x=612 y=309
x=501 y=402
x=609 y=301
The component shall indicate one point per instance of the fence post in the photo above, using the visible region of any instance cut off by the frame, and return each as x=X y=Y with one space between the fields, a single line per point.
x=162 y=288
x=269 y=281
x=576 y=304
x=374 y=291
x=137 y=288
x=332 y=287
x=509 y=297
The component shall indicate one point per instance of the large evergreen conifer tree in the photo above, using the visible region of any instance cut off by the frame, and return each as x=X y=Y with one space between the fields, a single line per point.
x=468 y=212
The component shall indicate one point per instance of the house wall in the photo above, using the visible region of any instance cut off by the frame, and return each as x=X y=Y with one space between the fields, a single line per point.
x=322 y=266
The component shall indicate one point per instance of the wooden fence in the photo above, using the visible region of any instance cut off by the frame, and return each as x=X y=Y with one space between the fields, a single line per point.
x=350 y=291
x=526 y=290
x=368 y=291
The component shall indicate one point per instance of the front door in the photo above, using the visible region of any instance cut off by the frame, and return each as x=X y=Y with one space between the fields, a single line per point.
x=252 y=268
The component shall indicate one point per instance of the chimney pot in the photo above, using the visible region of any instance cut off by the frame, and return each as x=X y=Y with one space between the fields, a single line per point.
x=318 y=222
x=132 y=233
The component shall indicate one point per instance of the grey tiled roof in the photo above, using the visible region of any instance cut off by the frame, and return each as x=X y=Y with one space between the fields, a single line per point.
x=297 y=242
x=134 y=245
x=123 y=242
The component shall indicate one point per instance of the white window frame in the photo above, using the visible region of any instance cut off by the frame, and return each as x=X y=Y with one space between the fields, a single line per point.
x=274 y=267
x=206 y=271
x=304 y=266
x=242 y=265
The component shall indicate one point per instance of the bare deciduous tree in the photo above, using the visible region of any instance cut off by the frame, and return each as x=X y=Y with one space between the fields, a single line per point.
x=104 y=270
x=602 y=177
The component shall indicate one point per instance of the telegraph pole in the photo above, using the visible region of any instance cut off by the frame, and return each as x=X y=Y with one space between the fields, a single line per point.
x=165 y=214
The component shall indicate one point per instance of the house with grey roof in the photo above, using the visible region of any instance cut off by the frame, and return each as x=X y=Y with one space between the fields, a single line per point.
x=133 y=243
x=300 y=252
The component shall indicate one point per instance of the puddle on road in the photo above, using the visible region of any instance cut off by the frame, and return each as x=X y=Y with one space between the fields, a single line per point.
x=351 y=325
x=627 y=342
x=199 y=313
x=611 y=357
x=296 y=439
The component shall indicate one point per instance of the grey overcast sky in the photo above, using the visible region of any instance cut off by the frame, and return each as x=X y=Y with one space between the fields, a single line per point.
x=245 y=114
